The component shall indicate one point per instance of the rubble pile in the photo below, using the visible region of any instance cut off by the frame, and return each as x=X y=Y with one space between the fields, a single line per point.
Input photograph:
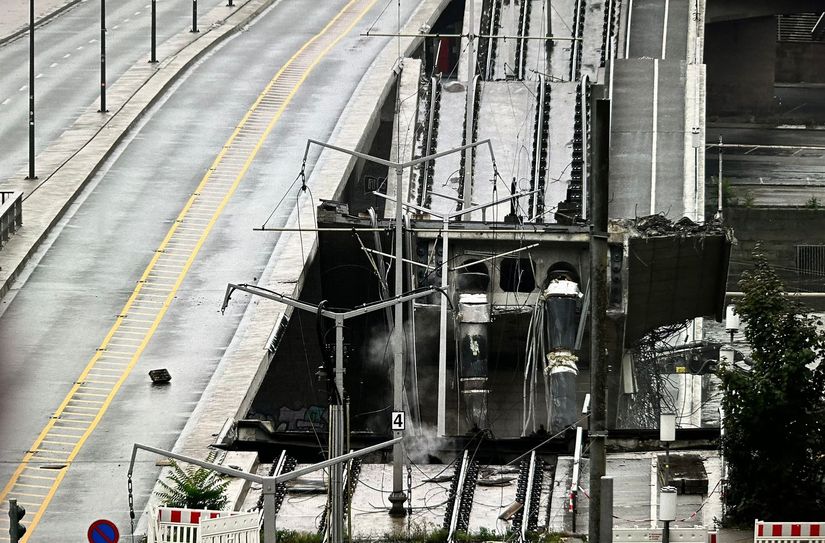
x=659 y=225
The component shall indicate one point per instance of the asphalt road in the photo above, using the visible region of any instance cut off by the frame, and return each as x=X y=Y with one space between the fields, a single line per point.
x=51 y=326
x=67 y=67
x=653 y=37
x=770 y=176
x=645 y=90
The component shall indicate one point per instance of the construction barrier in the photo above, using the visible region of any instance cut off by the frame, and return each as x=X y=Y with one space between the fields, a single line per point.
x=174 y=524
x=243 y=528
x=779 y=532
x=647 y=535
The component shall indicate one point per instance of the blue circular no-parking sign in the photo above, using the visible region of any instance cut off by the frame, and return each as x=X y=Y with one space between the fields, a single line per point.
x=103 y=531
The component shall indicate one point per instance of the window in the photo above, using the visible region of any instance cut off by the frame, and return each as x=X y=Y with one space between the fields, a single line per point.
x=516 y=275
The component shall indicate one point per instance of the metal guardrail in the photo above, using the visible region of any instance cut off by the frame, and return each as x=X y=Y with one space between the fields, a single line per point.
x=11 y=214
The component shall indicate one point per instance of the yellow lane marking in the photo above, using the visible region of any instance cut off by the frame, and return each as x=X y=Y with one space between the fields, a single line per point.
x=192 y=218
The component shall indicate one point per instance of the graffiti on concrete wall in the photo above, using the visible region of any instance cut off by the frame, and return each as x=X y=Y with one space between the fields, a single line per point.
x=303 y=419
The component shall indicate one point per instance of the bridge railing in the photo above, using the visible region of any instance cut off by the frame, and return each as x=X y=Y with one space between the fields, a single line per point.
x=11 y=214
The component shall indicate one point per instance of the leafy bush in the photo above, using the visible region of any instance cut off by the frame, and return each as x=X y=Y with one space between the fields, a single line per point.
x=194 y=487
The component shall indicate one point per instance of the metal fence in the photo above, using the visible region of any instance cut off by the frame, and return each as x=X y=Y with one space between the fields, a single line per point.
x=11 y=214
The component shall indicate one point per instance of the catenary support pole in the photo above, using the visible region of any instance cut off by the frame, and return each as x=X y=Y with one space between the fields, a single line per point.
x=441 y=426
x=31 y=91
x=397 y=497
x=606 y=521
x=194 y=15
x=721 y=192
x=268 y=488
x=337 y=483
x=598 y=309
x=336 y=426
x=470 y=112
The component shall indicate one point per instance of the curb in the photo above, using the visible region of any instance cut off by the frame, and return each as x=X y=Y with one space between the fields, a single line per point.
x=12 y=267
x=41 y=21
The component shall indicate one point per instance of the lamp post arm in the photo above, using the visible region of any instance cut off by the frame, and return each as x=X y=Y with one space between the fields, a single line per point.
x=406 y=204
x=400 y=165
x=356 y=154
x=375 y=306
x=188 y=459
x=271 y=295
x=493 y=203
x=332 y=461
x=427 y=158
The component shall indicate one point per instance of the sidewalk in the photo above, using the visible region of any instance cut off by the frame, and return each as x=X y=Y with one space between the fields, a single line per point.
x=15 y=19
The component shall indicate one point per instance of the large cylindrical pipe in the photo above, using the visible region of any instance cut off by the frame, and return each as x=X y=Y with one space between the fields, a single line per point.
x=561 y=298
x=473 y=329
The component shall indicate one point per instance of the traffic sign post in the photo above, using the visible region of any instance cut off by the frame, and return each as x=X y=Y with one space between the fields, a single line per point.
x=103 y=531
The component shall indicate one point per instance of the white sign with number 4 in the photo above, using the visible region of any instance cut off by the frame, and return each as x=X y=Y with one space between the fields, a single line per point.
x=398 y=422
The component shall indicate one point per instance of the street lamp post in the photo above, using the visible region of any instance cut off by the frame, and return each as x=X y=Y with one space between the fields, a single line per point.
x=337 y=408
x=153 y=56
x=269 y=485
x=667 y=434
x=103 y=56
x=31 y=91
x=194 y=15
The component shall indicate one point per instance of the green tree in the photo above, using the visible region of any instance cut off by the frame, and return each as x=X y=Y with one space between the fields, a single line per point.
x=194 y=487
x=775 y=413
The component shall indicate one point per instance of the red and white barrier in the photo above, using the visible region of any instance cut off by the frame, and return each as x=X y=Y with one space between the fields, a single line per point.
x=770 y=532
x=176 y=515
x=180 y=525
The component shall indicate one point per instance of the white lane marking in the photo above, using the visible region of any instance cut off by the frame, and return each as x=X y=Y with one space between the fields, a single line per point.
x=125 y=20
x=654 y=137
x=115 y=27
x=79 y=47
x=627 y=30
x=53 y=64
x=21 y=89
x=664 y=29
x=6 y=101
x=38 y=76
x=92 y=41
x=67 y=55
x=137 y=13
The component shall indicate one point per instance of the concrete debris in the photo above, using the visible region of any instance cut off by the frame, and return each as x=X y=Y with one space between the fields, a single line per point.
x=659 y=225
